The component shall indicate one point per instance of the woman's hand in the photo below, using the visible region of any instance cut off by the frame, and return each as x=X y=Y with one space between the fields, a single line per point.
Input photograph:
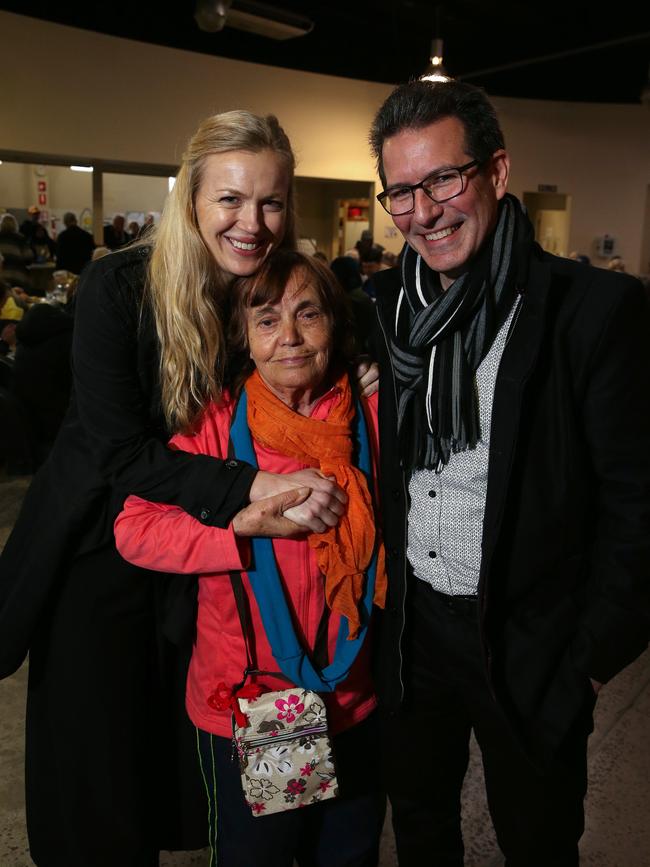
x=321 y=509
x=267 y=517
x=367 y=372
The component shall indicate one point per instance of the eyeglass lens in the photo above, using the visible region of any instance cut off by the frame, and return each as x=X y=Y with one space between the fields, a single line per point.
x=440 y=187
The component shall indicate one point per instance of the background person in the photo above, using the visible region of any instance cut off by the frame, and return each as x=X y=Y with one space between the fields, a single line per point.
x=515 y=413
x=348 y=273
x=16 y=254
x=42 y=245
x=29 y=226
x=616 y=263
x=74 y=246
x=115 y=235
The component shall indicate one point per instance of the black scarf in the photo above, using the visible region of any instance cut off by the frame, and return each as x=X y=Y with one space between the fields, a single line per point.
x=441 y=337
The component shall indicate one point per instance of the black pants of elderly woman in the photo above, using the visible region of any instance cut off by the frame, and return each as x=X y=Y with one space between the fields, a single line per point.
x=343 y=832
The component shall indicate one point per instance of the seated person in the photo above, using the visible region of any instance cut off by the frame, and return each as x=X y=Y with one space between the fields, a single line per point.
x=42 y=371
x=10 y=311
x=16 y=254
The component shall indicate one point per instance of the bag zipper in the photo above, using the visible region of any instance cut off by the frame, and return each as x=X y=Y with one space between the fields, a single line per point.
x=267 y=740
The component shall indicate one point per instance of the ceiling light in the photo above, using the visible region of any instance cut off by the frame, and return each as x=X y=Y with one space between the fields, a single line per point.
x=81 y=168
x=435 y=71
x=210 y=15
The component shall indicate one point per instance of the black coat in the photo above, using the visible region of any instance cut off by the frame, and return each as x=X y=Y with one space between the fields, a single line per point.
x=565 y=573
x=112 y=443
x=103 y=663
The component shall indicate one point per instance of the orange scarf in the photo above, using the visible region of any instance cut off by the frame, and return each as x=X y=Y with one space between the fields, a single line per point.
x=343 y=552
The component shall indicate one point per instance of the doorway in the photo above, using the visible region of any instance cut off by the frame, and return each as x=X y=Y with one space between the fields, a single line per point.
x=333 y=213
x=550 y=214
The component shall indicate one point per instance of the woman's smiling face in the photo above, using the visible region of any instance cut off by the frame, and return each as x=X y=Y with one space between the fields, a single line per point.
x=241 y=208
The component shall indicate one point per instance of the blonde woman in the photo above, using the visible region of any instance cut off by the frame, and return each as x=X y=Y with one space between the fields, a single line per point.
x=110 y=757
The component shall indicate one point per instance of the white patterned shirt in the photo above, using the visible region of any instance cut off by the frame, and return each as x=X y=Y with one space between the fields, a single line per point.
x=445 y=521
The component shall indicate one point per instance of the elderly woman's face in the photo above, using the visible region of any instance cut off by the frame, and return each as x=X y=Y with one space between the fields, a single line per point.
x=291 y=341
x=241 y=208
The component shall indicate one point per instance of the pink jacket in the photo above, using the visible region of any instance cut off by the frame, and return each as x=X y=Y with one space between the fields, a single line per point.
x=165 y=538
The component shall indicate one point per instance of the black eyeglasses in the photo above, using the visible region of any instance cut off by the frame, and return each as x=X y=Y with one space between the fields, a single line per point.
x=439 y=187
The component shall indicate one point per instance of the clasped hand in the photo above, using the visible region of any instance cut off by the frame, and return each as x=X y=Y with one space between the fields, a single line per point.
x=305 y=501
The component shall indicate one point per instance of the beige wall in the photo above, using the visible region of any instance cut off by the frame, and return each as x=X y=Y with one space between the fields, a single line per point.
x=67 y=190
x=597 y=154
x=124 y=193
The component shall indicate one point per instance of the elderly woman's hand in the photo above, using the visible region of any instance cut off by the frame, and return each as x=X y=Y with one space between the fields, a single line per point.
x=367 y=372
x=267 y=517
x=322 y=509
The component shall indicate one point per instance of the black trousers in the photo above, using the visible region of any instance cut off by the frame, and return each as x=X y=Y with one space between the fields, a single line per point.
x=343 y=832
x=111 y=771
x=538 y=817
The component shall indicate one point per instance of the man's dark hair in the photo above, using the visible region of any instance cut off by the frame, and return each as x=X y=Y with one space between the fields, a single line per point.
x=420 y=103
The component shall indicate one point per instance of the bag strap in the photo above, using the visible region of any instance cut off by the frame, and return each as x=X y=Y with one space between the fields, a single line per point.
x=269 y=592
x=242 y=610
x=241 y=600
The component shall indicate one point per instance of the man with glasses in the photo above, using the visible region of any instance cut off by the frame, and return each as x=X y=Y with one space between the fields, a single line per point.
x=515 y=482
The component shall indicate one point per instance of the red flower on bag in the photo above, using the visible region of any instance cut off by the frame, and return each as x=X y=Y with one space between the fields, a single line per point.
x=306 y=771
x=295 y=787
x=324 y=785
x=258 y=808
x=289 y=708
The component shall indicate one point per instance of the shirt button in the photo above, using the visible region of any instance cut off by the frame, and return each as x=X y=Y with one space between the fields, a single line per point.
x=395 y=493
x=231 y=465
x=433 y=555
x=204 y=514
x=432 y=493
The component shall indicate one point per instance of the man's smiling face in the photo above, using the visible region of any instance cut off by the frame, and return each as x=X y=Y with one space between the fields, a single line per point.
x=448 y=235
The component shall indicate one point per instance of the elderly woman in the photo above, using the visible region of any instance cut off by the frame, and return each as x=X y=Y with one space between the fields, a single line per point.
x=109 y=768
x=292 y=389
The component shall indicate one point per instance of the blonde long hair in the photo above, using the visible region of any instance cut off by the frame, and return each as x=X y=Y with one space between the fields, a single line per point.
x=185 y=286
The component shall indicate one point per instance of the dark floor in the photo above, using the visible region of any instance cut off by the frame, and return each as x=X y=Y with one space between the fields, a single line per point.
x=618 y=805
